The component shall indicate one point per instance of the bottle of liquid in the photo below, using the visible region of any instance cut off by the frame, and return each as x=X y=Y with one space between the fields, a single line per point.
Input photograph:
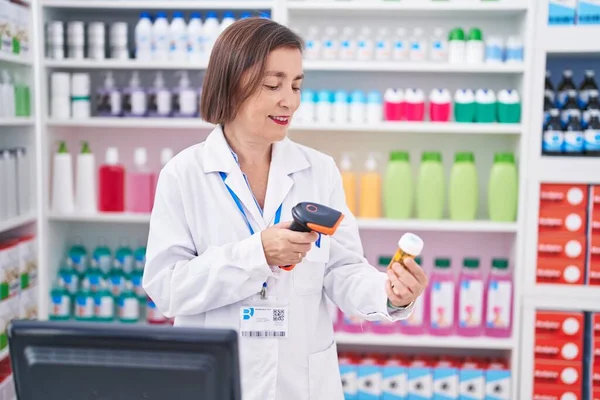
x=418 y=46
x=86 y=196
x=84 y=303
x=325 y=107
x=140 y=184
x=554 y=137
x=349 y=182
x=398 y=187
x=370 y=190
x=549 y=89
x=61 y=303
x=8 y=95
x=178 y=35
x=486 y=107
x=439 y=46
x=119 y=49
x=307 y=111
x=418 y=321
x=393 y=104
x=313 y=43
x=161 y=38
x=159 y=98
x=400 y=48
x=514 y=50
x=78 y=259
x=383 y=45
x=340 y=107
x=374 y=107
x=503 y=189
x=104 y=303
x=366 y=48
x=440 y=105
x=475 y=47
x=591 y=140
x=509 y=107
x=185 y=98
x=573 y=144
x=62 y=180
x=587 y=86
x=212 y=29
x=470 y=299
x=128 y=305
x=464 y=106
x=195 y=36
x=68 y=278
x=228 y=19
x=102 y=259
x=442 y=299
x=431 y=187
x=409 y=246
x=464 y=188
x=499 y=300
x=494 y=50
x=457 y=48
x=143 y=37
x=348 y=44
x=548 y=105
x=564 y=87
x=331 y=47
x=415 y=105
x=75 y=39
x=153 y=314
x=94 y=276
x=593 y=104
x=111 y=182
x=134 y=98
x=358 y=107
x=571 y=107
x=24 y=197
x=138 y=273
x=108 y=98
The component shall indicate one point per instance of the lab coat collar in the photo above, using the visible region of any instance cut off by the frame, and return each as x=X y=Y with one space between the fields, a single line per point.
x=286 y=159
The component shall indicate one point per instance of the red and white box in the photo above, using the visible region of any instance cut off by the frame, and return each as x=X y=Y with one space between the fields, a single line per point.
x=575 y=196
x=595 y=394
x=560 y=271
x=565 y=374
x=596 y=325
x=595 y=210
x=567 y=326
x=558 y=349
x=562 y=246
x=555 y=392
x=563 y=220
x=593 y=277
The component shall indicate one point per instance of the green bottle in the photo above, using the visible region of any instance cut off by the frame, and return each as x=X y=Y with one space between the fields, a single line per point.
x=61 y=303
x=509 y=107
x=104 y=304
x=138 y=273
x=129 y=305
x=102 y=259
x=431 y=187
x=124 y=258
x=464 y=106
x=503 y=189
x=94 y=278
x=398 y=187
x=464 y=188
x=78 y=259
x=140 y=258
x=84 y=303
x=69 y=279
x=486 y=106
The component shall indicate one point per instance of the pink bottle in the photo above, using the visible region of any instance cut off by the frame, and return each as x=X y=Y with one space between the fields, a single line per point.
x=393 y=105
x=415 y=105
x=499 y=308
x=418 y=321
x=441 y=299
x=140 y=184
x=470 y=299
x=440 y=101
x=111 y=182
x=165 y=155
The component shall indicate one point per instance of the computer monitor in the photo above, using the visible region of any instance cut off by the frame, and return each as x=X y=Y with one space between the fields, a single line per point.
x=64 y=360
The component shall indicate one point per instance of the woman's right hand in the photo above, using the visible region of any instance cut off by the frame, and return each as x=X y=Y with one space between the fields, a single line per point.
x=285 y=247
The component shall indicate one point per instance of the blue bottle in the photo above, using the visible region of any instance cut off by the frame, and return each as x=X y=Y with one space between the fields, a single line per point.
x=553 y=138
x=588 y=86
x=573 y=143
x=593 y=104
x=591 y=136
x=571 y=108
x=564 y=87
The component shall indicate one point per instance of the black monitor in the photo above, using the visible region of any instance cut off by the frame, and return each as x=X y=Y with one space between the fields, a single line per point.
x=62 y=360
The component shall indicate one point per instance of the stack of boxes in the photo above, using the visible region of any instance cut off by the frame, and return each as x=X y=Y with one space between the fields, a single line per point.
x=593 y=276
x=559 y=355
x=570 y=12
x=595 y=357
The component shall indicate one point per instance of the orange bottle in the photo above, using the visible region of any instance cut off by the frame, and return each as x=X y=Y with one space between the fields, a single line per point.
x=370 y=190
x=409 y=246
x=349 y=183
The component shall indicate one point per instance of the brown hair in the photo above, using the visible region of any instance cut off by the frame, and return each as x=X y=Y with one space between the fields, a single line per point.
x=242 y=47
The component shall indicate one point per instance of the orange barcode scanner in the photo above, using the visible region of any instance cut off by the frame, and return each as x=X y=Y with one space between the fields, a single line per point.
x=309 y=217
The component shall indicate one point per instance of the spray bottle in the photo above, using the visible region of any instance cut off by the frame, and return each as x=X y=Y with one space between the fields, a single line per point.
x=108 y=98
x=185 y=98
x=134 y=100
x=159 y=98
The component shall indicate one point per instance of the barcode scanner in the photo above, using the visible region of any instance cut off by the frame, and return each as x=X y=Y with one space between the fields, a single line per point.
x=309 y=217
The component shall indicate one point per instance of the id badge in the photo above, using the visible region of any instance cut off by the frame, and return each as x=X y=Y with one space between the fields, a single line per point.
x=267 y=320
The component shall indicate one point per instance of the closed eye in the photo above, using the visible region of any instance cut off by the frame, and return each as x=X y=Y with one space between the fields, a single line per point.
x=271 y=87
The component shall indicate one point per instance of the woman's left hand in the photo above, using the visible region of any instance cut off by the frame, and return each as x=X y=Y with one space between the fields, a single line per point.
x=405 y=285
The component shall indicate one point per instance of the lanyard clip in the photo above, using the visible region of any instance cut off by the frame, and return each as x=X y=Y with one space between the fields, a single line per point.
x=263 y=291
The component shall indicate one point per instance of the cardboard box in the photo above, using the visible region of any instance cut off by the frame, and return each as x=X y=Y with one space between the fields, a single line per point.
x=445 y=381
x=593 y=276
x=560 y=271
x=558 y=349
x=565 y=374
x=565 y=325
x=562 y=246
x=596 y=325
x=395 y=380
x=497 y=384
x=349 y=373
x=370 y=376
x=420 y=381
x=562 y=12
x=28 y=261
x=575 y=196
x=562 y=219
x=596 y=394
x=588 y=12
x=555 y=392
x=472 y=384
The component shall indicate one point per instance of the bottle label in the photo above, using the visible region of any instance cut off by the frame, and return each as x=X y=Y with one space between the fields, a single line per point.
x=439 y=51
x=102 y=262
x=105 y=307
x=129 y=308
x=573 y=142
x=470 y=303
x=553 y=141
x=61 y=305
x=84 y=307
x=442 y=305
x=493 y=52
x=70 y=282
x=383 y=50
x=117 y=284
x=137 y=286
x=95 y=282
x=77 y=262
x=498 y=305
x=591 y=140
x=416 y=318
x=514 y=54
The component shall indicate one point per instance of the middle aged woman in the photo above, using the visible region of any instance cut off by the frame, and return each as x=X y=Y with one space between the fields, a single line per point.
x=219 y=228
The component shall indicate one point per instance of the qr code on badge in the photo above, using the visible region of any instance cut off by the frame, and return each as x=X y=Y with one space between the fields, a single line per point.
x=278 y=315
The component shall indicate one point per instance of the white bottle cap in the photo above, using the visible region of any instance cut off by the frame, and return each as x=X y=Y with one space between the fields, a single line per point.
x=418 y=32
x=184 y=82
x=371 y=163
x=159 y=81
x=411 y=244
x=165 y=155
x=109 y=81
x=140 y=156
x=400 y=31
x=345 y=163
x=135 y=80
x=112 y=156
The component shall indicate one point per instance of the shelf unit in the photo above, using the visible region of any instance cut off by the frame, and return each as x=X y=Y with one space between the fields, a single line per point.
x=502 y=8
x=14 y=59
x=414 y=67
x=17 y=222
x=16 y=121
x=159 y=5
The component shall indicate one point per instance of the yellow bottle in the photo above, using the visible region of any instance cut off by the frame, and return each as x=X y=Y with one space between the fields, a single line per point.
x=409 y=246
x=369 y=205
x=349 y=183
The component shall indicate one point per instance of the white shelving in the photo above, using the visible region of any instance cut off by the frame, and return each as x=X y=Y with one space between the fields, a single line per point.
x=420 y=341
x=17 y=222
x=446 y=7
x=571 y=40
x=552 y=169
x=121 y=218
x=131 y=64
x=154 y=4
x=415 y=67
x=14 y=59
x=17 y=121
x=133 y=123
x=564 y=297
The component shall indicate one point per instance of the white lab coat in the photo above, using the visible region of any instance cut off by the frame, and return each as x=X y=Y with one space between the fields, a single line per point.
x=203 y=265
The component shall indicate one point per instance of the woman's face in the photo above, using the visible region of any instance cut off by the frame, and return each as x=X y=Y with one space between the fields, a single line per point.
x=268 y=112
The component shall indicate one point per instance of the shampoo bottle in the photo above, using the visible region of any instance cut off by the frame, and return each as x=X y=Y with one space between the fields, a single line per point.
x=159 y=98
x=108 y=98
x=111 y=177
x=86 y=196
x=62 y=181
x=140 y=184
x=185 y=98
x=134 y=99
x=370 y=190
x=349 y=182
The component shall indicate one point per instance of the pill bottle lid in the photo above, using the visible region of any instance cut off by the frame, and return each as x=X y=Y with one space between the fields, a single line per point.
x=504 y=158
x=399 y=156
x=442 y=263
x=500 y=263
x=471 y=263
x=464 y=157
x=411 y=244
x=431 y=156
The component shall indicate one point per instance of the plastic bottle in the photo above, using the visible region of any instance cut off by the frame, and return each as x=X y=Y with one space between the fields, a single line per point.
x=587 y=86
x=96 y=40
x=86 y=196
x=227 y=20
x=24 y=167
x=503 y=189
x=415 y=105
x=383 y=45
x=570 y=107
x=161 y=39
x=324 y=107
x=111 y=183
x=591 y=140
x=139 y=184
x=60 y=309
x=366 y=47
x=400 y=48
x=159 y=98
x=331 y=47
x=409 y=246
x=418 y=321
x=358 y=107
x=486 y=106
x=94 y=276
x=340 y=107
x=418 y=46
x=553 y=137
x=593 y=104
x=573 y=137
x=62 y=180
x=143 y=37
x=398 y=187
x=464 y=106
x=313 y=43
x=68 y=278
x=440 y=105
x=431 y=187
x=470 y=299
x=475 y=47
x=119 y=38
x=128 y=305
x=134 y=98
x=212 y=28
x=104 y=304
x=138 y=272
x=307 y=111
x=393 y=104
x=442 y=299
x=348 y=44
x=374 y=107
x=499 y=308
x=457 y=48
x=464 y=188
x=349 y=182
x=78 y=259
x=509 y=107
x=514 y=50
x=84 y=303
x=10 y=183
x=108 y=98
x=549 y=88
x=75 y=40
x=564 y=87
x=178 y=37
x=153 y=314
x=439 y=46
x=8 y=95
x=494 y=50
x=102 y=259
x=369 y=205
x=195 y=36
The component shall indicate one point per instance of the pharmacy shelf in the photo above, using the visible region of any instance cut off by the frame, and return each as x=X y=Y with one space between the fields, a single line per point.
x=16 y=121
x=14 y=59
x=17 y=222
x=423 y=341
x=573 y=40
x=565 y=297
x=415 y=67
x=132 y=123
x=446 y=7
x=120 y=218
x=557 y=169
x=413 y=127
x=162 y=5
x=131 y=64
x=437 y=226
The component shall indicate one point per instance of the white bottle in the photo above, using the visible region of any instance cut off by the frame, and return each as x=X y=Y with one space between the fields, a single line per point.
x=358 y=107
x=56 y=40
x=185 y=98
x=161 y=37
x=494 y=50
x=340 y=107
x=307 y=111
x=324 y=107
x=514 y=50
x=439 y=46
x=418 y=46
x=62 y=181
x=178 y=34
x=374 y=107
x=366 y=47
x=400 y=47
x=159 y=98
x=143 y=37
x=228 y=19
x=348 y=44
x=134 y=99
x=383 y=45
x=75 y=39
x=23 y=181
x=195 y=37
x=330 y=44
x=108 y=98
x=8 y=95
x=85 y=181
x=475 y=47
x=313 y=43
x=3 y=212
x=10 y=182
x=211 y=32
x=118 y=41
x=96 y=40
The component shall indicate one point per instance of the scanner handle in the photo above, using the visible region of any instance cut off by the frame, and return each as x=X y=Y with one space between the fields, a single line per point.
x=295 y=226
